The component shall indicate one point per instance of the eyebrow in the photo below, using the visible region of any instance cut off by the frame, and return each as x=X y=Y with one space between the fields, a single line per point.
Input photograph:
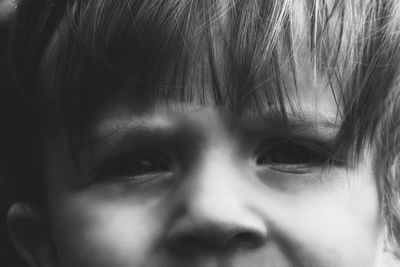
x=141 y=130
x=123 y=131
x=324 y=127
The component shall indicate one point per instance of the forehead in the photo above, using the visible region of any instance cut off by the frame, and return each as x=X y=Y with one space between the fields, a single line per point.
x=239 y=57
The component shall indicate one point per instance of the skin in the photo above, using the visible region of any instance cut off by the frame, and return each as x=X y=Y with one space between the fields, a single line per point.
x=181 y=186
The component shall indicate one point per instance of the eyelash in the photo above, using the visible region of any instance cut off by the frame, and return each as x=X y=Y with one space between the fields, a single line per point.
x=294 y=156
x=134 y=167
x=282 y=155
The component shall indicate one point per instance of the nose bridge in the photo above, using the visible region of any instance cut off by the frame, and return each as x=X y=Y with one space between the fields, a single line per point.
x=217 y=182
x=211 y=184
x=215 y=213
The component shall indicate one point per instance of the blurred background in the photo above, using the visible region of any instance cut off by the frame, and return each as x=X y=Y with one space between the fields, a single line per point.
x=8 y=256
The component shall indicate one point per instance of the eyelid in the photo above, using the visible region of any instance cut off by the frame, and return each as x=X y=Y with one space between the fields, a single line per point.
x=315 y=145
x=104 y=166
x=322 y=150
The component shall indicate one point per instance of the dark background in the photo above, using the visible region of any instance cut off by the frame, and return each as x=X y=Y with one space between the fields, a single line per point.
x=8 y=255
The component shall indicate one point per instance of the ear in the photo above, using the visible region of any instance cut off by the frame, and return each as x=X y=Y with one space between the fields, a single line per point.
x=30 y=235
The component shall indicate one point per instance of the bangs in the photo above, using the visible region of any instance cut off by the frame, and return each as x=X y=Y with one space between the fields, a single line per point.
x=235 y=55
x=206 y=52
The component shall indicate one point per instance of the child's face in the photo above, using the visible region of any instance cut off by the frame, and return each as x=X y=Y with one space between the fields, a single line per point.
x=180 y=186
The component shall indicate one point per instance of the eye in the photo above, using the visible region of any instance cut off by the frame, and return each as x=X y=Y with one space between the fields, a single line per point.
x=137 y=166
x=292 y=156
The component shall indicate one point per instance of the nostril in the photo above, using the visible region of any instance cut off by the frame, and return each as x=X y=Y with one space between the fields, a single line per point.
x=189 y=244
x=215 y=238
x=193 y=234
x=247 y=240
x=244 y=236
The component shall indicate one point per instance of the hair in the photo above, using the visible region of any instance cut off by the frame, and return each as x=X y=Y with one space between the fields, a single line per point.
x=387 y=170
x=235 y=54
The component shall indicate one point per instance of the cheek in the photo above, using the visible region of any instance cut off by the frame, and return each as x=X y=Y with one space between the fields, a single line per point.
x=96 y=233
x=94 y=228
x=336 y=220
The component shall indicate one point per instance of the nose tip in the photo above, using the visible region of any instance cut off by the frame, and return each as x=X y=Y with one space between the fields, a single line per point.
x=214 y=211
x=200 y=235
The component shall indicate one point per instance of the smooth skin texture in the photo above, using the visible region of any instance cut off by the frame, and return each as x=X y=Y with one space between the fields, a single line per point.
x=180 y=186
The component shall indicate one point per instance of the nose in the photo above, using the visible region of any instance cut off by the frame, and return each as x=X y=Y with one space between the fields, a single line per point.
x=215 y=234
x=215 y=214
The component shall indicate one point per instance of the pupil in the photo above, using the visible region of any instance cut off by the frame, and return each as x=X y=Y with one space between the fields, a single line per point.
x=144 y=165
x=292 y=155
x=138 y=167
